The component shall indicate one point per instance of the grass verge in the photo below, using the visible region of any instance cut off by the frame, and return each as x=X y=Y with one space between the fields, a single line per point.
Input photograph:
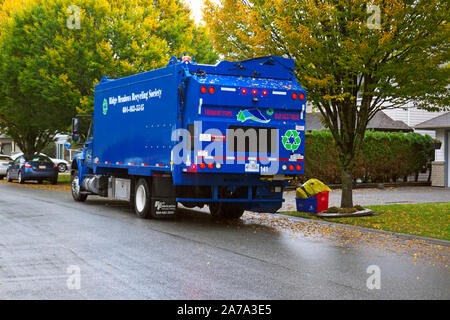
x=423 y=219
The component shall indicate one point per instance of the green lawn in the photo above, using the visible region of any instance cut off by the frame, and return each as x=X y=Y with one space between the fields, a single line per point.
x=64 y=179
x=424 y=219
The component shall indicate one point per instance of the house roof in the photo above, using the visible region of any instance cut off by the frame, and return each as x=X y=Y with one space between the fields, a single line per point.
x=380 y=122
x=442 y=121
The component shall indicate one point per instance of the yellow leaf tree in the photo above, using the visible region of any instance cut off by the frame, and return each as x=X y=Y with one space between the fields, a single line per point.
x=355 y=57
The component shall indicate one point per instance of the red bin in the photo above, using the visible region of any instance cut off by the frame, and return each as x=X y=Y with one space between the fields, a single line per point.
x=322 y=201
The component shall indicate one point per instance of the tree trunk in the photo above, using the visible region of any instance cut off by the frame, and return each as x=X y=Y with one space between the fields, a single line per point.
x=347 y=188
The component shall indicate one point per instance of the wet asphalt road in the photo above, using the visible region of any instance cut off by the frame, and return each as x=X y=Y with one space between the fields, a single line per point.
x=119 y=256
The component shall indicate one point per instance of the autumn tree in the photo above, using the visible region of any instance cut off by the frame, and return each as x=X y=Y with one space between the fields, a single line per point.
x=355 y=57
x=53 y=53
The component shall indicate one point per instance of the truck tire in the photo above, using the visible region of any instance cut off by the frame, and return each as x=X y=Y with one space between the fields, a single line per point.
x=226 y=211
x=75 y=186
x=142 y=199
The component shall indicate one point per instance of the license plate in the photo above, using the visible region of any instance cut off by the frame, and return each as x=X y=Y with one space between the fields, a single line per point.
x=42 y=167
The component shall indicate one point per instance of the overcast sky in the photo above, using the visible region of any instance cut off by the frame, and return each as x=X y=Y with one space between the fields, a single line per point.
x=196 y=6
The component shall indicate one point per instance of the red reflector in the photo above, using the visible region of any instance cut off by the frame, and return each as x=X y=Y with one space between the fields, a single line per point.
x=212 y=90
x=291 y=167
x=299 y=167
x=203 y=90
x=244 y=91
x=210 y=165
x=294 y=96
x=254 y=92
x=302 y=96
x=265 y=93
x=202 y=165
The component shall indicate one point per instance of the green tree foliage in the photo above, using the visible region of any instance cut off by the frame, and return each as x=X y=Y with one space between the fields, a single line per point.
x=49 y=67
x=351 y=66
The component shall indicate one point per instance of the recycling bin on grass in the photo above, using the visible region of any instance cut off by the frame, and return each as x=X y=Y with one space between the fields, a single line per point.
x=312 y=197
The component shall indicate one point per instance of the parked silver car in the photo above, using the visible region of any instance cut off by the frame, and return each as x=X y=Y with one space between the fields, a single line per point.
x=63 y=165
x=4 y=163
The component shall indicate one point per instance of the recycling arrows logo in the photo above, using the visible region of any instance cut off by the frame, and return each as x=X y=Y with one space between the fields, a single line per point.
x=105 y=107
x=291 y=140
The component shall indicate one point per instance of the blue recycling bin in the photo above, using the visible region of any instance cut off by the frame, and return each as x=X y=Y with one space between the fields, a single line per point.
x=308 y=205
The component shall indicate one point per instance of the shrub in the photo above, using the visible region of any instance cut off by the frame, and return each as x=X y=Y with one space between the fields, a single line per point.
x=384 y=157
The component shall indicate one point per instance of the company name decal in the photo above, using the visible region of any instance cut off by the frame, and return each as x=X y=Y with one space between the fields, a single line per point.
x=136 y=97
x=133 y=97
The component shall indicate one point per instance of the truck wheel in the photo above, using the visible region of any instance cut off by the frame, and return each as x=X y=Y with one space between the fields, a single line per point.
x=142 y=202
x=220 y=210
x=76 y=191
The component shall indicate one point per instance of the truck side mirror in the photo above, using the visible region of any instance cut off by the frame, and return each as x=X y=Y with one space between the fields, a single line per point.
x=75 y=129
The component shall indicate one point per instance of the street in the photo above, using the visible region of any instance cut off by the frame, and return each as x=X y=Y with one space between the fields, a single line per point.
x=44 y=235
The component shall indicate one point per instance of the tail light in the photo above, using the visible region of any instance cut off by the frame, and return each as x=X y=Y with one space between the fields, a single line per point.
x=202 y=165
x=244 y=91
x=302 y=96
x=27 y=165
x=254 y=91
x=55 y=166
x=210 y=165
x=291 y=167
x=299 y=167
x=265 y=93
x=212 y=90
x=203 y=90
x=294 y=96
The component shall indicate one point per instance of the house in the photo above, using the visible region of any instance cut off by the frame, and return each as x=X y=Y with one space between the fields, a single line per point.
x=380 y=122
x=441 y=166
x=7 y=145
x=412 y=116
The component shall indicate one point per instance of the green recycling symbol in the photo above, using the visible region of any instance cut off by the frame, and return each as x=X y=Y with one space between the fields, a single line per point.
x=105 y=107
x=289 y=136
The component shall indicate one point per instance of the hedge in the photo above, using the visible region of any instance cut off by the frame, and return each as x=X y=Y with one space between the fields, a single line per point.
x=384 y=157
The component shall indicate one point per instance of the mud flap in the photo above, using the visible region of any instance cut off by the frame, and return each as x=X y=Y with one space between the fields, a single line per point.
x=164 y=204
x=163 y=208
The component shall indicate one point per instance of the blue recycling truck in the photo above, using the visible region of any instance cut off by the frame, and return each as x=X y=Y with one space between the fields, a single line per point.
x=229 y=136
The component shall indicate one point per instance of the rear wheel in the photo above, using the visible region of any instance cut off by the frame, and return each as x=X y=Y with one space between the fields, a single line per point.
x=142 y=199
x=76 y=190
x=20 y=178
x=221 y=210
x=62 y=167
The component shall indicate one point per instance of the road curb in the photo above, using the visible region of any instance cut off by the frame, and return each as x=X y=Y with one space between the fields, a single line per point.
x=395 y=234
